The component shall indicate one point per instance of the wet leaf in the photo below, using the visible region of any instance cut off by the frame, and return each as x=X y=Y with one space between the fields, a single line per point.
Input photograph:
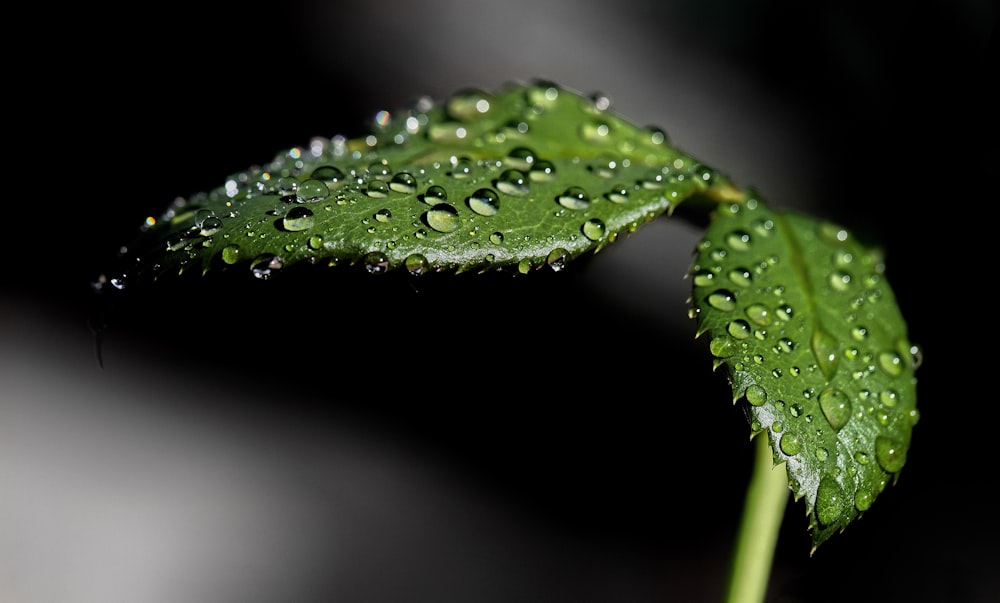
x=801 y=316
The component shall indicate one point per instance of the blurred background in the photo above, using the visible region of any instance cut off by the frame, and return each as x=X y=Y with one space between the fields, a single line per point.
x=316 y=440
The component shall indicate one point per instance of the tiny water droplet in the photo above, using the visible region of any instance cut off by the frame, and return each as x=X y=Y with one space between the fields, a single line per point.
x=574 y=197
x=756 y=395
x=722 y=299
x=298 y=218
x=836 y=406
x=443 y=217
x=889 y=453
x=594 y=229
x=484 y=202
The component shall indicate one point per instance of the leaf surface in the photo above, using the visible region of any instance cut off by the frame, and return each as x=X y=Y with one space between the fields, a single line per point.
x=800 y=314
x=530 y=176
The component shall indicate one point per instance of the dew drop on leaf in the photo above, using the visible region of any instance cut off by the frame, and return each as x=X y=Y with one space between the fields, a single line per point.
x=836 y=406
x=829 y=501
x=574 y=197
x=890 y=455
x=722 y=299
x=231 y=254
x=298 y=218
x=513 y=182
x=484 y=202
x=790 y=444
x=435 y=194
x=594 y=229
x=756 y=395
x=443 y=217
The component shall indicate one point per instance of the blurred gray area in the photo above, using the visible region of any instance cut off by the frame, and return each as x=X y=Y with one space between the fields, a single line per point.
x=162 y=479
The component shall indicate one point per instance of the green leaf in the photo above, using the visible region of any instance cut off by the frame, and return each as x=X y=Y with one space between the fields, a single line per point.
x=530 y=176
x=802 y=317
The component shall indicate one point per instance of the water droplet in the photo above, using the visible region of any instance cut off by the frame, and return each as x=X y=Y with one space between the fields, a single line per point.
x=462 y=168
x=231 y=254
x=759 y=313
x=888 y=398
x=703 y=277
x=722 y=299
x=383 y=215
x=741 y=277
x=311 y=191
x=434 y=195
x=617 y=194
x=416 y=264
x=738 y=240
x=484 y=202
x=790 y=444
x=375 y=262
x=403 y=182
x=891 y=363
x=595 y=131
x=557 y=259
x=496 y=238
x=315 y=242
x=521 y=159
x=890 y=454
x=756 y=395
x=210 y=226
x=863 y=500
x=574 y=197
x=824 y=346
x=859 y=333
x=468 y=104
x=594 y=229
x=298 y=218
x=723 y=347
x=784 y=312
x=377 y=189
x=443 y=217
x=861 y=457
x=830 y=499
x=739 y=329
x=840 y=280
x=264 y=265
x=513 y=182
x=836 y=407
x=796 y=410
x=330 y=175
x=542 y=171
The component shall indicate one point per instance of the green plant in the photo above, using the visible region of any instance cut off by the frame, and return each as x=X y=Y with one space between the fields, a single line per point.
x=530 y=177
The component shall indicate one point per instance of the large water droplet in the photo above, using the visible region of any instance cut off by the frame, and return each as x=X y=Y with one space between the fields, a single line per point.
x=557 y=259
x=435 y=194
x=830 y=500
x=889 y=453
x=231 y=254
x=759 y=313
x=542 y=171
x=594 y=229
x=891 y=363
x=739 y=329
x=723 y=347
x=377 y=189
x=738 y=240
x=484 y=202
x=375 y=262
x=513 y=182
x=443 y=217
x=312 y=190
x=722 y=299
x=574 y=197
x=210 y=226
x=756 y=395
x=416 y=264
x=617 y=194
x=264 y=265
x=298 y=218
x=403 y=182
x=825 y=347
x=790 y=444
x=741 y=277
x=521 y=159
x=863 y=500
x=330 y=175
x=836 y=407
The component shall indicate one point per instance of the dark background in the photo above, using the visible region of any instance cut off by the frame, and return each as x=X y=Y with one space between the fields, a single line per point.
x=484 y=439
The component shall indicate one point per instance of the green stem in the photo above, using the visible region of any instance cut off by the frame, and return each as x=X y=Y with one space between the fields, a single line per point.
x=763 y=510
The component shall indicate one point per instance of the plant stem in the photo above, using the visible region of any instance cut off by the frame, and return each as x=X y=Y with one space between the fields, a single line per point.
x=763 y=510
